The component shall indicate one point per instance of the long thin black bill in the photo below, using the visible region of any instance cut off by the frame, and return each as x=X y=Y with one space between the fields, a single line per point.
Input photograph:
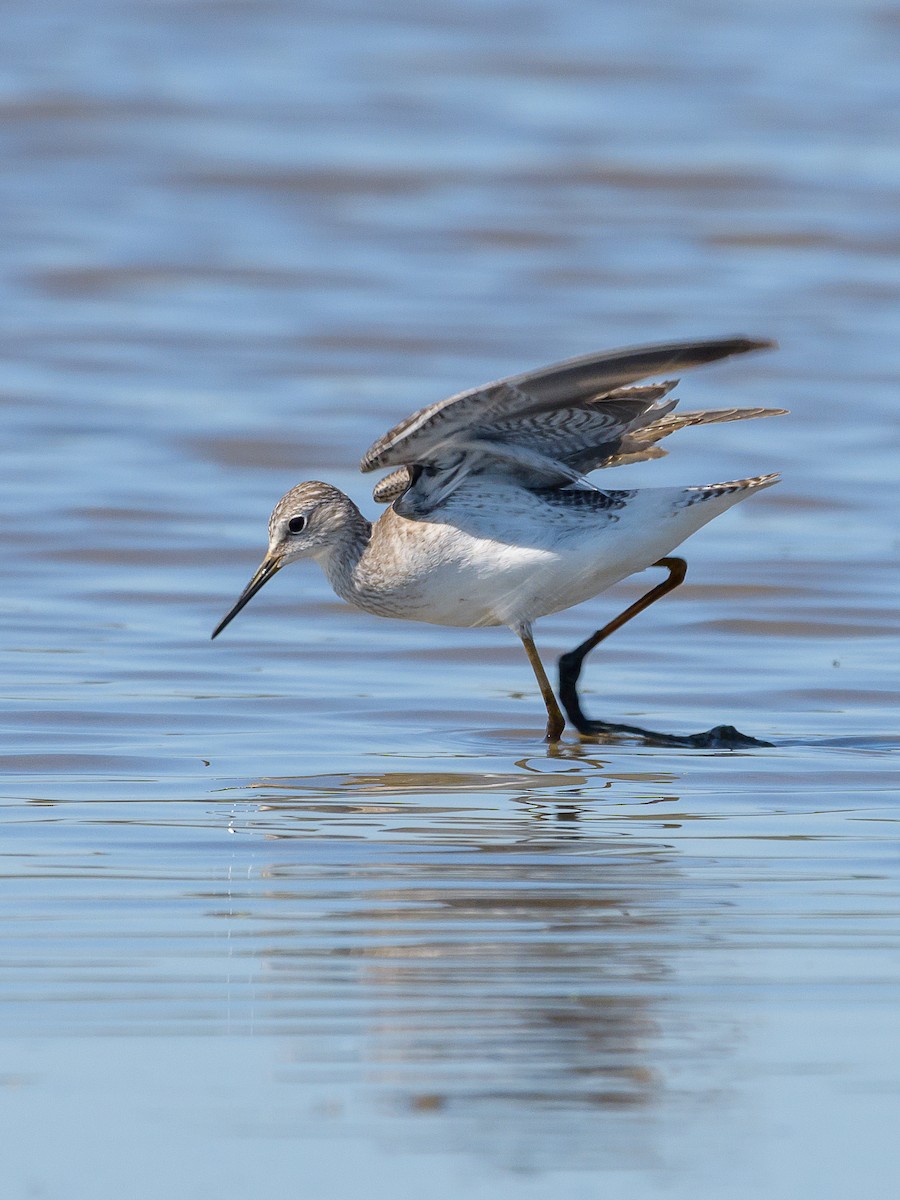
x=263 y=575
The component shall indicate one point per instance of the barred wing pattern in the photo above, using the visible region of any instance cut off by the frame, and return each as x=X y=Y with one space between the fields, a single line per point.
x=546 y=428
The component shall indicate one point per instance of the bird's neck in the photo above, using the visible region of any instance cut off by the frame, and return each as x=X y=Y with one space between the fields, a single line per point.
x=341 y=559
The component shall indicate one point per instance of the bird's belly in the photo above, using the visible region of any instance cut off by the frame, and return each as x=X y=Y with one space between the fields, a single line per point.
x=496 y=589
x=496 y=584
x=508 y=566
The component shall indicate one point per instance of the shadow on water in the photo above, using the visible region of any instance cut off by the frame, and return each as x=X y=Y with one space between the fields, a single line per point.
x=721 y=737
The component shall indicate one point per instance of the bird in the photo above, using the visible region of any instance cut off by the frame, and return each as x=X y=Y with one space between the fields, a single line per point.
x=491 y=518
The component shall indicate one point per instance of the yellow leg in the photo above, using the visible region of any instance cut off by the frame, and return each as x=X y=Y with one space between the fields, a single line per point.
x=570 y=664
x=556 y=722
x=721 y=737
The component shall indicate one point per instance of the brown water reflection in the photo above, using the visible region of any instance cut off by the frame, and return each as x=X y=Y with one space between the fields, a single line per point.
x=523 y=964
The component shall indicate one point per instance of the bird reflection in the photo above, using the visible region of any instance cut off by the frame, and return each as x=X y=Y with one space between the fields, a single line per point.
x=487 y=946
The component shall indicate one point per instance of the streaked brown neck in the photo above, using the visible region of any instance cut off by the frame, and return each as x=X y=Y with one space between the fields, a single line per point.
x=341 y=558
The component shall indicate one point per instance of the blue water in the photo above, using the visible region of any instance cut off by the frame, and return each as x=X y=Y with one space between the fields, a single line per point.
x=311 y=908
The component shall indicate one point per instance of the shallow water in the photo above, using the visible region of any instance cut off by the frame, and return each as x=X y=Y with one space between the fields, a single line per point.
x=311 y=907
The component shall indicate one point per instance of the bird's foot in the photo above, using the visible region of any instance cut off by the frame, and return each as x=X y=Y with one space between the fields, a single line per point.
x=554 y=731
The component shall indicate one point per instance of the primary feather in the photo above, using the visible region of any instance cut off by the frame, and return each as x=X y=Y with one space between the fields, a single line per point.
x=547 y=428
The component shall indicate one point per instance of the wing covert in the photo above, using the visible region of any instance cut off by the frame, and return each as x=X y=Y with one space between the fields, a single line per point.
x=545 y=427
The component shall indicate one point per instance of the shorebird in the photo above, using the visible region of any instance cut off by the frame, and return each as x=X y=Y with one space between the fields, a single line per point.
x=491 y=518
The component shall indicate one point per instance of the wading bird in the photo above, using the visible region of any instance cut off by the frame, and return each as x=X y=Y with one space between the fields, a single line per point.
x=491 y=518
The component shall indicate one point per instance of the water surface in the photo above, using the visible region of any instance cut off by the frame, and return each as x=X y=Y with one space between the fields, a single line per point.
x=311 y=908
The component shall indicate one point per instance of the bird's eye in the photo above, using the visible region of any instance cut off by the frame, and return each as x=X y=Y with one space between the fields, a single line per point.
x=295 y=524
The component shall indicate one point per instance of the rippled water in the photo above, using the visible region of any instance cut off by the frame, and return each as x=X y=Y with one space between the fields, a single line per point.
x=311 y=908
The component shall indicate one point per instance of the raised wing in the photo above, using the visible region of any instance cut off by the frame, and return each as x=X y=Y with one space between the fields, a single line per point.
x=547 y=427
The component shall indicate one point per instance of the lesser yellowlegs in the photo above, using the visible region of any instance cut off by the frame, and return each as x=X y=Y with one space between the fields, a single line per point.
x=491 y=519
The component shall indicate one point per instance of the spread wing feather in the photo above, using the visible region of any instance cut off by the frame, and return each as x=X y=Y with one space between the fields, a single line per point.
x=549 y=427
x=640 y=444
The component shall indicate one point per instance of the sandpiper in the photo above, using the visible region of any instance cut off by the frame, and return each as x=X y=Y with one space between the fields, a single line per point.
x=491 y=518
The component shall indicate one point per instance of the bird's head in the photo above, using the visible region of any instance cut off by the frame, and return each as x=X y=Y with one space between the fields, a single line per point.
x=307 y=522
